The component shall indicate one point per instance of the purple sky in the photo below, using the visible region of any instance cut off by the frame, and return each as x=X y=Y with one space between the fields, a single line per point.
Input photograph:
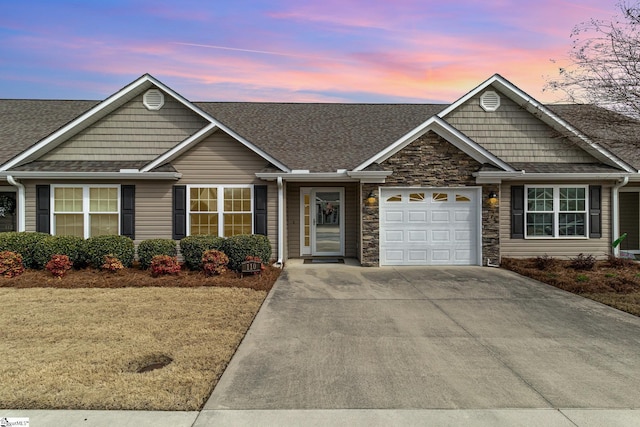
x=403 y=51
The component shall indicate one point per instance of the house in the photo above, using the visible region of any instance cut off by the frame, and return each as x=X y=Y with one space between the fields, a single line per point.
x=495 y=174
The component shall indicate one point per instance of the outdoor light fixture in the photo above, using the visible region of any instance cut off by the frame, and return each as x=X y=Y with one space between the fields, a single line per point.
x=492 y=199
x=371 y=199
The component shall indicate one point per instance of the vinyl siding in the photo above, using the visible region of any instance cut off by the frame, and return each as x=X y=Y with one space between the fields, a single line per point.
x=351 y=213
x=525 y=248
x=513 y=134
x=131 y=133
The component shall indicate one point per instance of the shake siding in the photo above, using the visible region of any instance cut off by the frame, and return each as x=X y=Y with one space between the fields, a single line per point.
x=131 y=133
x=220 y=159
x=526 y=248
x=351 y=213
x=513 y=134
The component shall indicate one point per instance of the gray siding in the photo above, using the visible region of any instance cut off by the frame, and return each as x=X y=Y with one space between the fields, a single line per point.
x=351 y=212
x=513 y=134
x=526 y=248
x=131 y=133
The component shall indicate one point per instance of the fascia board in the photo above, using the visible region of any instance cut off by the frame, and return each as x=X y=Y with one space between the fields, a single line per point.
x=305 y=177
x=95 y=175
x=445 y=130
x=486 y=177
x=82 y=121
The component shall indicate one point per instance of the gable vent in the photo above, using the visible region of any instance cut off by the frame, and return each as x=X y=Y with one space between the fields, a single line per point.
x=490 y=101
x=153 y=99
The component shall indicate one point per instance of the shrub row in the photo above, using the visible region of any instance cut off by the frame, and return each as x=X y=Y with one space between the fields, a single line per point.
x=37 y=249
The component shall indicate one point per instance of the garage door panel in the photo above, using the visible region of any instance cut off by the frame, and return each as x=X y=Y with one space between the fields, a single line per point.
x=440 y=229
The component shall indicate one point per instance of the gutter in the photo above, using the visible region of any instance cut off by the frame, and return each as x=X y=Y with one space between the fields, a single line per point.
x=94 y=175
x=21 y=202
x=497 y=177
x=615 y=212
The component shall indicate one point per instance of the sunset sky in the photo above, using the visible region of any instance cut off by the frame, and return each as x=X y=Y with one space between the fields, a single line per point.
x=396 y=51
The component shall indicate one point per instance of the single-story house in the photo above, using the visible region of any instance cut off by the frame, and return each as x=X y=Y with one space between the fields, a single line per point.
x=494 y=174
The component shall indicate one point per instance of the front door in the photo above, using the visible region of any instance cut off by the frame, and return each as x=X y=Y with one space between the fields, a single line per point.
x=322 y=224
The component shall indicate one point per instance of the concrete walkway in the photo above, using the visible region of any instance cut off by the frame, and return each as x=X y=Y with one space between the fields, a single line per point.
x=345 y=345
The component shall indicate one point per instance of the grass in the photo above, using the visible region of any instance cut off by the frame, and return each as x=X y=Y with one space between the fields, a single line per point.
x=79 y=342
x=613 y=282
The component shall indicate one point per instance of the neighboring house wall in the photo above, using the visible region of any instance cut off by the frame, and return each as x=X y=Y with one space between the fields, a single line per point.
x=525 y=248
x=351 y=204
x=131 y=133
x=430 y=161
x=513 y=134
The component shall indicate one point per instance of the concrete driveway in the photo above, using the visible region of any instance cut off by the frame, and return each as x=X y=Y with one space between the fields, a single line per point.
x=459 y=343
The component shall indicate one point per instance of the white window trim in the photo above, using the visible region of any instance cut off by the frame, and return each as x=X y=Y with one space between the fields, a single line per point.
x=556 y=211
x=85 y=205
x=220 y=204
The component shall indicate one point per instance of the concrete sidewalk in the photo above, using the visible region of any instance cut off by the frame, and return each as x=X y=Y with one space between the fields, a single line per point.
x=345 y=345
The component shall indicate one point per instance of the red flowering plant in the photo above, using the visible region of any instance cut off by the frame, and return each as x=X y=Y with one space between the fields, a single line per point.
x=58 y=265
x=164 y=264
x=214 y=262
x=111 y=263
x=11 y=264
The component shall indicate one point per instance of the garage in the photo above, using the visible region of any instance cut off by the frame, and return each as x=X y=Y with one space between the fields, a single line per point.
x=429 y=226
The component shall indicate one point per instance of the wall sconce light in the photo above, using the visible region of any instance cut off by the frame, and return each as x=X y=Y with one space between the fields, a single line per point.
x=371 y=199
x=492 y=199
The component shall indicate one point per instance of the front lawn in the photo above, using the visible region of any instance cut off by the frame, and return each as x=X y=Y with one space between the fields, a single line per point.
x=79 y=342
x=614 y=282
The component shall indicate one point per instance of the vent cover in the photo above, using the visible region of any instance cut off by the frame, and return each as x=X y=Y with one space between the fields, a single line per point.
x=153 y=99
x=490 y=101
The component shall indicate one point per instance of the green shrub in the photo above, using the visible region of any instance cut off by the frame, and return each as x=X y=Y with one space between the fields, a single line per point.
x=22 y=243
x=147 y=249
x=72 y=246
x=120 y=247
x=239 y=247
x=193 y=247
x=11 y=264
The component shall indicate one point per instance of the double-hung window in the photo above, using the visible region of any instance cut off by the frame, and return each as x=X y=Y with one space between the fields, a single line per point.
x=556 y=211
x=85 y=210
x=220 y=210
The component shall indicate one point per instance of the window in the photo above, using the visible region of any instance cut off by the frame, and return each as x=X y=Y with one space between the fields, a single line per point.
x=556 y=212
x=220 y=210
x=440 y=197
x=85 y=211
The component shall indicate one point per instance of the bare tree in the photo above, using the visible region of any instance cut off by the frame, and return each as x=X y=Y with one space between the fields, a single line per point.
x=604 y=62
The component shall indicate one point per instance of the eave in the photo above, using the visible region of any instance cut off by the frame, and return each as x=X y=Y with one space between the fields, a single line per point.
x=160 y=176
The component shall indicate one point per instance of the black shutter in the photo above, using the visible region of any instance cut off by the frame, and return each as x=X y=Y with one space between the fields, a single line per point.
x=595 y=210
x=43 y=208
x=179 y=212
x=128 y=211
x=260 y=209
x=517 y=212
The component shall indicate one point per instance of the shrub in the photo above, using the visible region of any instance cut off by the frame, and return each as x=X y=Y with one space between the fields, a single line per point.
x=544 y=262
x=111 y=263
x=120 y=247
x=583 y=262
x=164 y=264
x=11 y=264
x=239 y=247
x=148 y=249
x=214 y=262
x=617 y=262
x=72 y=246
x=193 y=247
x=58 y=265
x=22 y=243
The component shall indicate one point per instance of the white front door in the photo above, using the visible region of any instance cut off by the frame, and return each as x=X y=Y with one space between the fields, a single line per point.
x=321 y=221
x=429 y=226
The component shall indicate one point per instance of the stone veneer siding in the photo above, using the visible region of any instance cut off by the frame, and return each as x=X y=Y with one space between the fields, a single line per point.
x=429 y=161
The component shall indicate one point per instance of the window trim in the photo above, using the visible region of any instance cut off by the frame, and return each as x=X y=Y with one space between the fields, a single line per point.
x=86 y=213
x=556 y=211
x=220 y=205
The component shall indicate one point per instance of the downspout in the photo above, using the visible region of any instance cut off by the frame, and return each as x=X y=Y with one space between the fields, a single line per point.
x=615 y=214
x=21 y=202
x=279 y=263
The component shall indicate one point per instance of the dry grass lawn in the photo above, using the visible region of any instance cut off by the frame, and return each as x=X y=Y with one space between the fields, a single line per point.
x=81 y=348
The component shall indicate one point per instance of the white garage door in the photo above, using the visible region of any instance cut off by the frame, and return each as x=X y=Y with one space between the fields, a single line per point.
x=429 y=226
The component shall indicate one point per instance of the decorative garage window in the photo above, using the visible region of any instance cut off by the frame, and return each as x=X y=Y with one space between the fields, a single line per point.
x=220 y=210
x=556 y=211
x=440 y=197
x=461 y=198
x=85 y=211
x=416 y=197
x=396 y=198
